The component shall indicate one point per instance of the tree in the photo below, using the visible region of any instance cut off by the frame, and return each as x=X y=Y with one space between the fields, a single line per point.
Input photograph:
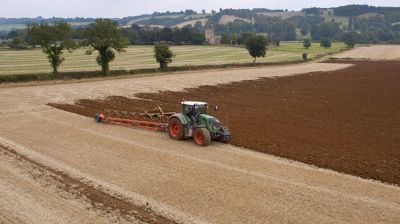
x=257 y=47
x=244 y=37
x=305 y=29
x=18 y=43
x=327 y=30
x=350 y=39
x=197 y=38
x=326 y=43
x=104 y=36
x=198 y=26
x=163 y=55
x=226 y=38
x=167 y=34
x=307 y=43
x=53 y=39
x=234 y=38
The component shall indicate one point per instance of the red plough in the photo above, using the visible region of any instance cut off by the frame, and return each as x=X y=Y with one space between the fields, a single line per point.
x=149 y=125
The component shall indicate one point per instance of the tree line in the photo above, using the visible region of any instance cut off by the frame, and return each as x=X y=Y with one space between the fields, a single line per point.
x=135 y=34
x=103 y=37
x=384 y=27
x=146 y=34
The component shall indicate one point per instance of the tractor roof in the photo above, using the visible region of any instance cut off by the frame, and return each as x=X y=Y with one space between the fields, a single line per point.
x=193 y=103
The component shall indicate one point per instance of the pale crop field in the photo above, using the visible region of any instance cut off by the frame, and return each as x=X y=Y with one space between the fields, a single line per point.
x=138 y=56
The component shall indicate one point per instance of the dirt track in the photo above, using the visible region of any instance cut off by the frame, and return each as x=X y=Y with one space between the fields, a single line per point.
x=223 y=184
x=374 y=52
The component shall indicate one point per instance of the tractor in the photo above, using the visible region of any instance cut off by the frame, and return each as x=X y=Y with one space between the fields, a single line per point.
x=194 y=122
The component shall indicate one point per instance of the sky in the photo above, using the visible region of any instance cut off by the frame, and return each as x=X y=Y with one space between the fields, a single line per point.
x=122 y=8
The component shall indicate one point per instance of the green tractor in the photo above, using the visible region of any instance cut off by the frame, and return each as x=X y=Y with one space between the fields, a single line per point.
x=194 y=122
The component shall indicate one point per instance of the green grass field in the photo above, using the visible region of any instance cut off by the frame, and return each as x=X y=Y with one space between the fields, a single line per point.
x=136 y=57
x=9 y=27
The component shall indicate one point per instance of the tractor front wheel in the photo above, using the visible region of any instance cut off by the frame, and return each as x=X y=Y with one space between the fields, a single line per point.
x=202 y=136
x=97 y=118
x=225 y=139
x=175 y=129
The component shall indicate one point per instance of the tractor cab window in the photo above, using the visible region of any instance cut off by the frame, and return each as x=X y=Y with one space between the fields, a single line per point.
x=202 y=109
x=195 y=109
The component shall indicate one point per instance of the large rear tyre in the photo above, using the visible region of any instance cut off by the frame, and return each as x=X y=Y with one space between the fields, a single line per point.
x=175 y=129
x=202 y=137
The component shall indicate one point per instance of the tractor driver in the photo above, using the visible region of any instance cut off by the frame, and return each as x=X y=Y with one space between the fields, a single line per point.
x=192 y=113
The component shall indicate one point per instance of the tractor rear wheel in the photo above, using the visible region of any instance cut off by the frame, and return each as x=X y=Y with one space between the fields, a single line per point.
x=202 y=136
x=175 y=129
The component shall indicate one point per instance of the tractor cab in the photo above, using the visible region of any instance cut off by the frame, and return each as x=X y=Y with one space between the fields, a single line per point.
x=192 y=109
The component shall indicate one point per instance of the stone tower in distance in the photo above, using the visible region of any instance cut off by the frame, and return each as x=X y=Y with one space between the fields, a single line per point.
x=210 y=35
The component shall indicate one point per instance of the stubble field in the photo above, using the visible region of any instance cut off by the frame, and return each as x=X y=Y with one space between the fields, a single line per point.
x=138 y=56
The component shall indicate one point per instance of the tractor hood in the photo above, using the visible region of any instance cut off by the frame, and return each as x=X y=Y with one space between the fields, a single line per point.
x=210 y=122
x=215 y=127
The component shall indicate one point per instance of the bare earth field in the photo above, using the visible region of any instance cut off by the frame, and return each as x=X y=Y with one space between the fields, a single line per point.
x=154 y=179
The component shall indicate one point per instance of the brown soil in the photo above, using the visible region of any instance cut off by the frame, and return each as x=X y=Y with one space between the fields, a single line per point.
x=98 y=199
x=346 y=120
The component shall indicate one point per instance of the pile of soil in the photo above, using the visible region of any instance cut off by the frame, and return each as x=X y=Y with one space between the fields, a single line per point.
x=346 y=120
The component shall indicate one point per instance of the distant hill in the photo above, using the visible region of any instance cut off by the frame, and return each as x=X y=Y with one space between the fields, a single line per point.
x=192 y=23
x=171 y=19
x=374 y=23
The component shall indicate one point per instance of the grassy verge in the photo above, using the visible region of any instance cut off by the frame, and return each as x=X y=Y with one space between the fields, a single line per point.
x=94 y=74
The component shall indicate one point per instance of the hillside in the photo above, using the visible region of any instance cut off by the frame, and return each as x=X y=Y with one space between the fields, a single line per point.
x=375 y=24
x=190 y=17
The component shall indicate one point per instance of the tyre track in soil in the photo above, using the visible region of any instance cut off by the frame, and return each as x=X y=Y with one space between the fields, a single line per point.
x=99 y=200
x=30 y=196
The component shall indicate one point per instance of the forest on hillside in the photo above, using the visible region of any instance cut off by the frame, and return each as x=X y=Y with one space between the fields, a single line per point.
x=371 y=24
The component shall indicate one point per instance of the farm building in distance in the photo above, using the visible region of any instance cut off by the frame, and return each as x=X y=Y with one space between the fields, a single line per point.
x=211 y=38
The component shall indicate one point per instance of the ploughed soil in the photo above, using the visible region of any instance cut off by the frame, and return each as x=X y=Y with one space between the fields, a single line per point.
x=346 y=120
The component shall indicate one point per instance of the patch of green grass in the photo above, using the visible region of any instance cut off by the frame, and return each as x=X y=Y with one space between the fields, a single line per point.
x=9 y=27
x=79 y=23
x=141 y=57
x=197 y=16
x=169 y=16
x=142 y=18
